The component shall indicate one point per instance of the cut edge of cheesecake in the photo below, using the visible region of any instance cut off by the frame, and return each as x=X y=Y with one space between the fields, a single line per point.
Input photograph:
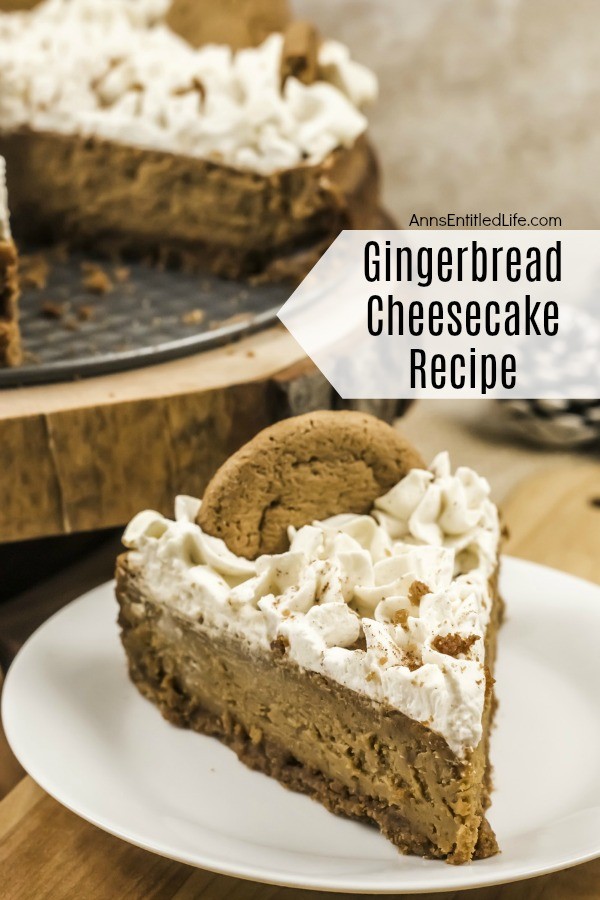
x=10 y=337
x=392 y=772
x=108 y=197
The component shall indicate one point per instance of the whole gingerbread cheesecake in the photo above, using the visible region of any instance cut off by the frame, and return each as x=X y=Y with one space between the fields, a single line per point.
x=329 y=611
x=10 y=342
x=245 y=163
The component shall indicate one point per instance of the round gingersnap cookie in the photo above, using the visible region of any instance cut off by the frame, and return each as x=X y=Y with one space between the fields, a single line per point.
x=301 y=469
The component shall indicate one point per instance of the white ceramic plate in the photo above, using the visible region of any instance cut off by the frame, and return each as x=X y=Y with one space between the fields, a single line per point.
x=87 y=737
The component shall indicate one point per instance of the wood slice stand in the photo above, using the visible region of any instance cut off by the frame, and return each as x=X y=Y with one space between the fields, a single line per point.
x=88 y=454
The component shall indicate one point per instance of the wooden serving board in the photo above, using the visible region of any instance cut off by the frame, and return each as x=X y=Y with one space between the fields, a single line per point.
x=78 y=456
x=49 y=853
x=87 y=455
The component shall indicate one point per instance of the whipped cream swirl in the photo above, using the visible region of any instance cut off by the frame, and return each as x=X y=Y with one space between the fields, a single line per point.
x=96 y=67
x=393 y=605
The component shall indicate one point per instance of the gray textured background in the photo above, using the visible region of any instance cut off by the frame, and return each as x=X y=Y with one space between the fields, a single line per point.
x=486 y=105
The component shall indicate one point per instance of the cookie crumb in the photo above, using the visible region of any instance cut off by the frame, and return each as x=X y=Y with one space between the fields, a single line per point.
x=454 y=644
x=85 y=312
x=95 y=280
x=400 y=617
x=34 y=271
x=52 y=310
x=412 y=660
x=121 y=274
x=416 y=591
x=193 y=317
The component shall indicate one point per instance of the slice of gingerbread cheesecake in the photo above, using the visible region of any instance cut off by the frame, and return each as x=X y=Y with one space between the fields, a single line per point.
x=10 y=341
x=352 y=659
x=243 y=164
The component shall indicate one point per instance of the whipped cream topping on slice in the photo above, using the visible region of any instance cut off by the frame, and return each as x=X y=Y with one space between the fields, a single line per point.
x=90 y=67
x=4 y=214
x=393 y=605
x=439 y=508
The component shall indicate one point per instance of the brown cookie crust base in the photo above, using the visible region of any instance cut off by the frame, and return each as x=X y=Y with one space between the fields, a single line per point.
x=301 y=469
x=10 y=339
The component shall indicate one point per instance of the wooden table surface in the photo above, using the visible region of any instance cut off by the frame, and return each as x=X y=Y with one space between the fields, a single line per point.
x=553 y=516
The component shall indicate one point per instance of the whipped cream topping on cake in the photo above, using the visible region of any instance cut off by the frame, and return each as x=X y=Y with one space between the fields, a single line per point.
x=393 y=605
x=87 y=68
x=4 y=216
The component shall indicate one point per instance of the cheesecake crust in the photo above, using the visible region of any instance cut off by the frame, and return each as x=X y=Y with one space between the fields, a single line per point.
x=10 y=339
